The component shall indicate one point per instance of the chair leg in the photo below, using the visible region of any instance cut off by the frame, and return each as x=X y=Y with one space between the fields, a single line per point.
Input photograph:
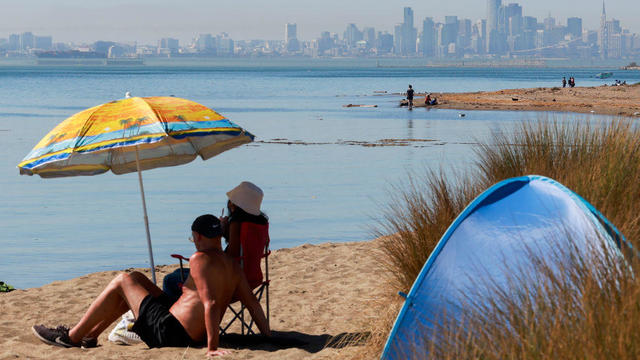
x=267 y=301
x=242 y=318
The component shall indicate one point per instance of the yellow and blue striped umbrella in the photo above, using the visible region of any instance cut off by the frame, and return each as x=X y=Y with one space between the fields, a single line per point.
x=164 y=131
x=133 y=134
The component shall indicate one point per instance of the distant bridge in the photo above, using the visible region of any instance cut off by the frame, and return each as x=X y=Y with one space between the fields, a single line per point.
x=555 y=46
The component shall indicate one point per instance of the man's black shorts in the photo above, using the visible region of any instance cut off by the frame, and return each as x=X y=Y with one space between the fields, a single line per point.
x=157 y=327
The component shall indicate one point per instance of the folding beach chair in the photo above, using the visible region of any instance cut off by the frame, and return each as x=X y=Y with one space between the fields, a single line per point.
x=254 y=246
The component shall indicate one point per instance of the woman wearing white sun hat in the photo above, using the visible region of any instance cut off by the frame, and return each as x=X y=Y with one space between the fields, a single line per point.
x=244 y=206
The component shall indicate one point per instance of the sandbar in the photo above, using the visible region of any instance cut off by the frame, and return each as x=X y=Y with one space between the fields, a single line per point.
x=622 y=100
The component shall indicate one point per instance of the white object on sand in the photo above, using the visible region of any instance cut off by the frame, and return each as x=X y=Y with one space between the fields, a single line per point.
x=122 y=334
x=127 y=95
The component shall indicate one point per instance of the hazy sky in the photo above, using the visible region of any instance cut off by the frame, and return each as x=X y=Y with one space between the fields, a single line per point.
x=146 y=21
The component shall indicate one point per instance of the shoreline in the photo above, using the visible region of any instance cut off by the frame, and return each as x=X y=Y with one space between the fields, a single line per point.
x=623 y=100
x=319 y=294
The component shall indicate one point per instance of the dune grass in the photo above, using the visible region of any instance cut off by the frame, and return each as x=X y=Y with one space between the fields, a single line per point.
x=601 y=163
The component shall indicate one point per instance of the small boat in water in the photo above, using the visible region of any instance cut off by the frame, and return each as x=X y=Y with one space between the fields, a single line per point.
x=604 y=75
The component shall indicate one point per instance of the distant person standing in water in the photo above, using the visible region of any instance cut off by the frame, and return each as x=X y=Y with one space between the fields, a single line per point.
x=410 y=96
x=564 y=82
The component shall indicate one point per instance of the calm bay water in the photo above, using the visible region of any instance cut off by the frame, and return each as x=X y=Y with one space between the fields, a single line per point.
x=328 y=189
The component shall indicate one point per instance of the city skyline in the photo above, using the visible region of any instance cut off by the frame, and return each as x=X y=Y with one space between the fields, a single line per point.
x=80 y=21
x=507 y=30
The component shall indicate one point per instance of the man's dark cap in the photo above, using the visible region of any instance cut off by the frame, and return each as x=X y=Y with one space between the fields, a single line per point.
x=207 y=225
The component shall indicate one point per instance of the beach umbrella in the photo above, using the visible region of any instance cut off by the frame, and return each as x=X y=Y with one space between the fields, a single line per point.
x=133 y=134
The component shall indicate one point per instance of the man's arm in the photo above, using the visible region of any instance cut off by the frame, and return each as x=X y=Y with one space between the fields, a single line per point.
x=201 y=269
x=249 y=300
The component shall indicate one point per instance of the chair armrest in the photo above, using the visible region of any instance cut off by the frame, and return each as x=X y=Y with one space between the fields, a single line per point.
x=178 y=256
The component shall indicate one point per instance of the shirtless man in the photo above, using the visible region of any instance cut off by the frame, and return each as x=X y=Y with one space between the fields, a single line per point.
x=215 y=278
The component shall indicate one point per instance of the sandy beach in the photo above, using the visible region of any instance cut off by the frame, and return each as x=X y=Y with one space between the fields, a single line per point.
x=321 y=295
x=606 y=100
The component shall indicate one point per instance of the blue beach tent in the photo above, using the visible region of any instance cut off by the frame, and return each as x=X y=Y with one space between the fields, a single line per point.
x=497 y=231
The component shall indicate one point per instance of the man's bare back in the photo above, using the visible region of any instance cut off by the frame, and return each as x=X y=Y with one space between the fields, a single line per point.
x=223 y=277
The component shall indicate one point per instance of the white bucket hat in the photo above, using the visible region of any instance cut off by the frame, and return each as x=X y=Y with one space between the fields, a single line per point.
x=247 y=196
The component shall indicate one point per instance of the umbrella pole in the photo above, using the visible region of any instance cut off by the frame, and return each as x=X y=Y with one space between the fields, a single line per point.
x=146 y=218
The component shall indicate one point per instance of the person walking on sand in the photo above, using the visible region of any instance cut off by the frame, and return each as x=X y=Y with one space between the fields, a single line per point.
x=410 y=96
x=564 y=82
x=215 y=278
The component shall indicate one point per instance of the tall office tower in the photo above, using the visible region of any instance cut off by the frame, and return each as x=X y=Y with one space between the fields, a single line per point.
x=43 y=42
x=614 y=39
x=225 y=45
x=513 y=19
x=169 y=45
x=574 y=27
x=530 y=28
x=450 y=30
x=428 y=38
x=478 y=36
x=291 y=37
x=290 y=31
x=603 y=34
x=405 y=35
x=463 y=40
x=369 y=35
x=409 y=33
x=352 y=35
x=384 y=42
x=493 y=10
x=408 y=17
x=26 y=41
x=513 y=29
x=205 y=43
x=549 y=23
x=325 y=42
x=14 y=42
x=441 y=45
x=530 y=23
x=398 y=39
x=590 y=37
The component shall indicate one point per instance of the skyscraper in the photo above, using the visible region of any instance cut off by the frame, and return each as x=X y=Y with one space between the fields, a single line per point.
x=352 y=35
x=291 y=37
x=408 y=17
x=205 y=43
x=574 y=27
x=405 y=35
x=428 y=38
x=479 y=33
x=14 y=42
x=409 y=33
x=26 y=41
x=290 y=31
x=603 y=34
x=493 y=10
x=369 y=35
x=513 y=19
x=43 y=42
x=450 y=33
